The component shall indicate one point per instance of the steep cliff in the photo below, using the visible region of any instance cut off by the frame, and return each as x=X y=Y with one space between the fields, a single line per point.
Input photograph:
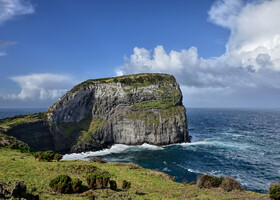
x=135 y=109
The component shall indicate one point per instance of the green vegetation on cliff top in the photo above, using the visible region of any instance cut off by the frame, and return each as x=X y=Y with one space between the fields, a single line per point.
x=137 y=80
x=10 y=122
x=145 y=183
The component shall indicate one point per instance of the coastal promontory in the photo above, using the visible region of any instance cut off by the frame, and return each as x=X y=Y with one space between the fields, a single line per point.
x=97 y=113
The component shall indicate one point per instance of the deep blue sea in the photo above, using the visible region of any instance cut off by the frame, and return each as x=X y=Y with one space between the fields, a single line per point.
x=241 y=143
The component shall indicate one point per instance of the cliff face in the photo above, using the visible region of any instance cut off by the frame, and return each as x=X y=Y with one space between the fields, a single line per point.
x=136 y=109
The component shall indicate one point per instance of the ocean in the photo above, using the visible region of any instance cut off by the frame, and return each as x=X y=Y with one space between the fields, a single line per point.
x=241 y=143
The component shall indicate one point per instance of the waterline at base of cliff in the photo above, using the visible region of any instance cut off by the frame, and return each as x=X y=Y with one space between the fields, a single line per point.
x=241 y=143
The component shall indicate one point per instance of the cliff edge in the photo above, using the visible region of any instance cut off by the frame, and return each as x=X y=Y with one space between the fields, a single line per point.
x=133 y=109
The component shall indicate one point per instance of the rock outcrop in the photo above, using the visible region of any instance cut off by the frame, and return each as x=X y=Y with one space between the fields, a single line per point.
x=134 y=109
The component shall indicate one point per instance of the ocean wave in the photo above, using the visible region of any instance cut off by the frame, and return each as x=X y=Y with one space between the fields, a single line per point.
x=115 y=149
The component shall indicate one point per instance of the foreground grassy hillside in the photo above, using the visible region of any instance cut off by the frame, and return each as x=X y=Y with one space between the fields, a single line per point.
x=145 y=183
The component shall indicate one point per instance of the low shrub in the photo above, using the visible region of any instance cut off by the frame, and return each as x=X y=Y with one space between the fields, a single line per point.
x=229 y=184
x=207 y=181
x=274 y=191
x=62 y=184
x=58 y=157
x=76 y=185
x=45 y=155
x=98 y=179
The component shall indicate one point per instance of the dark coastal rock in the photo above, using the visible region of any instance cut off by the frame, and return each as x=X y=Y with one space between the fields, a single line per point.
x=19 y=189
x=132 y=110
x=3 y=192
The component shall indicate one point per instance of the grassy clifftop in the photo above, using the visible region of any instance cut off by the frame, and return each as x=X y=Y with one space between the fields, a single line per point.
x=137 y=80
x=10 y=122
x=145 y=183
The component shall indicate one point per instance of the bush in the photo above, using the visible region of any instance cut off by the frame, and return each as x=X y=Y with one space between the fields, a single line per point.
x=58 y=157
x=76 y=185
x=48 y=155
x=44 y=156
x=62 y=184
x=37 y=154
x=229 y=184
x=98 y=180
x=113 y=185
x=274 y=191
x=207 y=181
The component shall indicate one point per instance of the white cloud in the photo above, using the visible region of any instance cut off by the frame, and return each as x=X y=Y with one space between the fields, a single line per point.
x=42 y=87
x=250 y=65
x=225 y=12
x=9 y=9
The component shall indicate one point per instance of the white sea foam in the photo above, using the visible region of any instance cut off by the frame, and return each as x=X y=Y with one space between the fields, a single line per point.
x=166 y=169
x=194 y=143
x=117 y=148
x=150 y=147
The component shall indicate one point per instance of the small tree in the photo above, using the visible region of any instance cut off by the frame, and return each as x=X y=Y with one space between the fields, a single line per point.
x=58 y=157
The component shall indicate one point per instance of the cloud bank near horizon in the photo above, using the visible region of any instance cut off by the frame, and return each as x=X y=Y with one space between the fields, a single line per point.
x=39 y=89
x=246 y=74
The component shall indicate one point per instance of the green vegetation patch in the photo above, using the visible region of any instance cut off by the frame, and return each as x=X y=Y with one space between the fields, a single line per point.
x=207 y=181
x=274 y=192
x=86 y=136
x=138 y=80
x=144 y=183
x=12 y=143
x=10 y=122
x=71 y=129
x=150 y=117
x=96 y=124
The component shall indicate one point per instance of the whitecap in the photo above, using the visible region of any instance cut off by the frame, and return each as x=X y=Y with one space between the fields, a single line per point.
x=117 y=148
x=150 y=147
x=166 y=169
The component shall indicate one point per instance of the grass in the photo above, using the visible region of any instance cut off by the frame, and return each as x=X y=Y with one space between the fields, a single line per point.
x=10 y=122
x=145 y=183
x=137 y=80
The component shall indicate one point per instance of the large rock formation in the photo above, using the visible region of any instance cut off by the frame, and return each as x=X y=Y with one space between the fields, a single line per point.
x=135 y=109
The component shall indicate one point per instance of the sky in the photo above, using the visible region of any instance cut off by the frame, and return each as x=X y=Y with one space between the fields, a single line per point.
x=223 y=53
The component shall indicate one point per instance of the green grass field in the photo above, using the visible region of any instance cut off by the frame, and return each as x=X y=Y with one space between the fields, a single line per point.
x=145 y=183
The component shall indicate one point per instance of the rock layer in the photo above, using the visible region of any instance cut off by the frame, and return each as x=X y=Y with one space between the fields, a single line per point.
x=135 y=109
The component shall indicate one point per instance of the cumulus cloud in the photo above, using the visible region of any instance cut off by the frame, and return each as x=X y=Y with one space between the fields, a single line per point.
x=9 y=9
x=250 y=64
x=42 y=87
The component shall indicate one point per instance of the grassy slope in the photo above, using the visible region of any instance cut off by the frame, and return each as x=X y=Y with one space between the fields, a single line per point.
x=146 y=184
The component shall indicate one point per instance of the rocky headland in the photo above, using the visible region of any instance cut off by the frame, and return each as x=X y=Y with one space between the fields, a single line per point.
x=97 y=113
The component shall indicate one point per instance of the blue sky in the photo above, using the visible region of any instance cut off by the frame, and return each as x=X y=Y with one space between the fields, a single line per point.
x=46 y=47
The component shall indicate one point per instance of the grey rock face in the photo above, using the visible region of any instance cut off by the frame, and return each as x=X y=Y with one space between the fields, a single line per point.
x=145 y=108
x=132 y=110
